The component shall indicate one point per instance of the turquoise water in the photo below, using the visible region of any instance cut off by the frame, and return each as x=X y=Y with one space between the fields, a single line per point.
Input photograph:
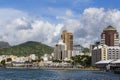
x=37 y=74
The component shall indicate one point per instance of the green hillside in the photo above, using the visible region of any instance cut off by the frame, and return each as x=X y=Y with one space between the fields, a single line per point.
x=27 y=48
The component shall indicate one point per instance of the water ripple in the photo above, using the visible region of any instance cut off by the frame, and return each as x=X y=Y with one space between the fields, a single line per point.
x=37 y=74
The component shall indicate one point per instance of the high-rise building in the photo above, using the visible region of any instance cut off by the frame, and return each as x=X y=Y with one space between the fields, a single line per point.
x=110 y=36
x=67 y=38
x=63 y=49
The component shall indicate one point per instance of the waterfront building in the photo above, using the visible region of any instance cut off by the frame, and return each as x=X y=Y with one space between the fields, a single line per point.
x=116 y=63
x=109 y=48
x=67 y=38
x=104 y=64
x=47 y=57
x=110 y=36
x=113 y=52
x=60 y=51
x=104 y=52
x=99 y=53
x=20 y=59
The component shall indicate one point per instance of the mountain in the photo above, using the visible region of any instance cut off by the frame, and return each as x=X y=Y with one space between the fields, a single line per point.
x=4 y=44
x=27 y=48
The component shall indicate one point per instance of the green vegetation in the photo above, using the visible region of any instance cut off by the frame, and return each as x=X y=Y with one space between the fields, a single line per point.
x=3 y=63
x=83 y=60
x=26 y=49
x=9 y=59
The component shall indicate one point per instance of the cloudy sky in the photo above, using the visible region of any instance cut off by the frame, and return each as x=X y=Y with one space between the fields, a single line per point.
x=44 y=20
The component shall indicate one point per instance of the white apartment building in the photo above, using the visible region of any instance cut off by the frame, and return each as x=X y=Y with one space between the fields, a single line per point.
x=60 y=51
x=113 y=52
x=104 y=52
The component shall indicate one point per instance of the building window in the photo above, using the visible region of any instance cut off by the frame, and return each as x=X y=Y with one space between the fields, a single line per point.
x=117 y=36
x=103 y=36
x=71 y=37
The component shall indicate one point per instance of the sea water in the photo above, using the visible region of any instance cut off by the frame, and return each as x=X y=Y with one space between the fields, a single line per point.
x=40 y=74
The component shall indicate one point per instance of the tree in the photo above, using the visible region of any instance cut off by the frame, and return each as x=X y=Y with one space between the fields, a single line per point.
x=3 y=63
x=9 y=59
x=86 y=60
x=86 y=50
x=83 y=60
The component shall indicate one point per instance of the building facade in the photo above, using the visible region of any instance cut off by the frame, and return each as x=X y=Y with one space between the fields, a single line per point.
x=104 y=52
x=109 y=48
x=60 y=51
x=67 y=38
x=99 y=53
x=113 y=52
x=110 y=36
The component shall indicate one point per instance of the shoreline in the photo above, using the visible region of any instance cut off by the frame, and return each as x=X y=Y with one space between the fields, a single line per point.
x=86 y=69
x=46 y=68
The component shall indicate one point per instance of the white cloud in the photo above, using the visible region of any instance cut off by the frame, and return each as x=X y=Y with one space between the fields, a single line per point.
x=17 y=26
x=7 y=14
x=22 y=27
x=89 y=25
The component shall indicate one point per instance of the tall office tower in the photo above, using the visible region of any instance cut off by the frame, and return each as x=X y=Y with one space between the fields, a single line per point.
x=67 y=38
x=110 y=36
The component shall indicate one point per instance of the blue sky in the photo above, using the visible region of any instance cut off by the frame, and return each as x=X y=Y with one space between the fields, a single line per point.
x=36 y=5
x=42 y=7
x=44 y=20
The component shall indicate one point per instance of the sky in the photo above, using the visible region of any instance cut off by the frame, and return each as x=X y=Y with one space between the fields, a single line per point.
x=44 y=20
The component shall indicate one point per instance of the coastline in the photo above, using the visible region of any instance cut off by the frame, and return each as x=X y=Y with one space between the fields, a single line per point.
x=50 y=68
x=86 y=69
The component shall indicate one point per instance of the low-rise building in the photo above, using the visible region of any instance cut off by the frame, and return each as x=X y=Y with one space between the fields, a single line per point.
x=46 y=57
x=33 y=57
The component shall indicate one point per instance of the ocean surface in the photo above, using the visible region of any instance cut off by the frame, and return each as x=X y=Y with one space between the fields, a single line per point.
x=38 y=74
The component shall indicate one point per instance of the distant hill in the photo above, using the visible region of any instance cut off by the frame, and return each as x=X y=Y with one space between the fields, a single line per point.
x=27 y=48
x=4 y=44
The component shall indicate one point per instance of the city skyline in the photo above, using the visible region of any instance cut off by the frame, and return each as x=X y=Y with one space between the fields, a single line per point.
x=44 y=21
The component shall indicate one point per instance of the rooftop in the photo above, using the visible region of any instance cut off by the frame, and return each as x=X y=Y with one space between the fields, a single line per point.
x=109 y=28
x=104 y=62
x=117 y=61
x=108 y=61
